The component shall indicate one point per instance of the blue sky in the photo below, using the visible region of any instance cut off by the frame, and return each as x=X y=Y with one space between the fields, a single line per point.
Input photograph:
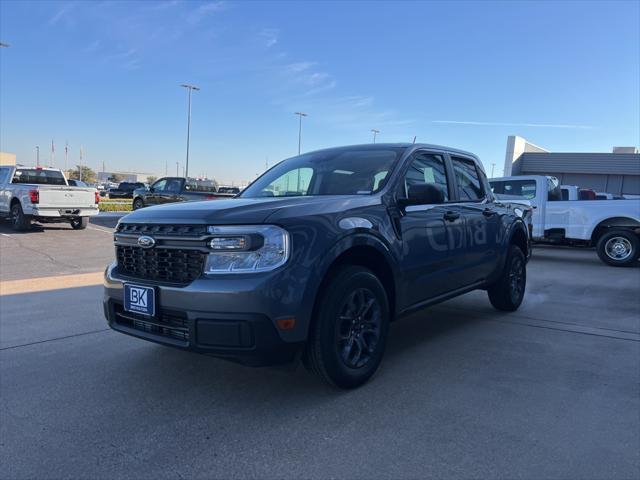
x=105 y=75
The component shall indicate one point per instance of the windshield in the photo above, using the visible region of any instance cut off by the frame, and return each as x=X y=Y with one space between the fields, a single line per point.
x=329 y=172
x=38 y=176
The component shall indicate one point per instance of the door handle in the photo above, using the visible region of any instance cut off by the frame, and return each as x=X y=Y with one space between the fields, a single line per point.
x=451 y=216
x=487 y=212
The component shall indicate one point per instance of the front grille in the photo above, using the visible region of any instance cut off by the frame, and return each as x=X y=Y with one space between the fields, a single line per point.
x=171 y=325
x=160 y=264
x=149 y=229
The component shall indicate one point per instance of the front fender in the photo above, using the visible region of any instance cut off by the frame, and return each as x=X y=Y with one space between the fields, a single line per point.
x=333 y=252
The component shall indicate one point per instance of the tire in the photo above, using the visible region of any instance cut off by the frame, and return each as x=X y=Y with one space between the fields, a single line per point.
x=348 y=335
x=19 y=221
x=79 y=223
x=618 y=248
x=507 y=292
x=138 y=203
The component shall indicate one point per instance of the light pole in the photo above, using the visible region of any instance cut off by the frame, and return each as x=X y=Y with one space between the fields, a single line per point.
x=493 y=165
x=177 y=167
x=375 y=134
x=300 y=115
x=190 y=88
x=37 y=156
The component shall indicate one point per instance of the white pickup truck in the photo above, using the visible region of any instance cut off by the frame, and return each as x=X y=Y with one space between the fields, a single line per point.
x=612 y=226
x=43 y=195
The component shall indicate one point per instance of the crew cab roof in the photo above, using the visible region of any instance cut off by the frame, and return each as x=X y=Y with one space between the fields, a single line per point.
x=406 y=145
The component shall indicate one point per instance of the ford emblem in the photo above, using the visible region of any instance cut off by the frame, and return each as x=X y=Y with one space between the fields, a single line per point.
x=146 y=241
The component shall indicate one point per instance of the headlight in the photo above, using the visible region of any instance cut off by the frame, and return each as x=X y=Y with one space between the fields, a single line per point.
x=246 y=249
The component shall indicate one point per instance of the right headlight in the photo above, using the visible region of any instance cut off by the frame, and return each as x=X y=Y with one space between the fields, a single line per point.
x=246 y=249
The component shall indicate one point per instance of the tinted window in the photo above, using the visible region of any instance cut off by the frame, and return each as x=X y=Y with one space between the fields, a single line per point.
x=328 y=172
x=4 y=174
x=173 y=185
x=38 y=176
x=427 y=168
x=565 y=194
x=193 y=185
x=521 y=188
x=467 y=178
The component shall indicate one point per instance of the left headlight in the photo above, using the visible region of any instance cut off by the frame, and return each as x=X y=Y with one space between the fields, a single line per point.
x=246 y=249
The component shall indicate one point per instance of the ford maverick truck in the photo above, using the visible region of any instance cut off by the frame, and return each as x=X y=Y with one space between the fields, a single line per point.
x=316 y=258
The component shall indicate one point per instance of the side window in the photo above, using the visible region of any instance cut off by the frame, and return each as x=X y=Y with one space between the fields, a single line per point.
x=173 y=186
x=468 y=180
x=427 y=168
x=4 y=174
x=160 y=185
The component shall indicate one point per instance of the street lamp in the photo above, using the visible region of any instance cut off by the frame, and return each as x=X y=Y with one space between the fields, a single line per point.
x=37 y=156
x=190 y=88
x=300 y=115
x=375 y=134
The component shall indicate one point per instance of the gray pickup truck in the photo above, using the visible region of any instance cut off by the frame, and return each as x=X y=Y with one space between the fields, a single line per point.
x=317 y=257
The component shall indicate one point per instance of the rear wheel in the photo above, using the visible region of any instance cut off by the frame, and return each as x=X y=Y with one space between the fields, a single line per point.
x=508 y=291
x=79 y=223
x=19 y=221
x=349 y=334
x=138 y=203
x=619 y=248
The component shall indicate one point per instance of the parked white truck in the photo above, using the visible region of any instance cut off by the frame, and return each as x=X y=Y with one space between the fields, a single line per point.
x=612 y=226
x=43 y=194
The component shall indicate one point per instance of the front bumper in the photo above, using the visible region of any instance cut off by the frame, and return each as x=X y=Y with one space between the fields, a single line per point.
x=231 y=318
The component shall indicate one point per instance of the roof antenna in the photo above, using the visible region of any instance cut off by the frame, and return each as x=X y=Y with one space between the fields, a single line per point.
x=414 y=139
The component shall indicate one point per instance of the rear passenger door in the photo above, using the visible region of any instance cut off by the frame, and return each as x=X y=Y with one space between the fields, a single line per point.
x=428 y=232
x=482 y=220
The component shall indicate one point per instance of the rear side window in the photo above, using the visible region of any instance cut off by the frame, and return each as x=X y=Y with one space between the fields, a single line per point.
x=427 y=168
x=193 y=185
x=38 y=176
x=521 y=188
x=468 y=180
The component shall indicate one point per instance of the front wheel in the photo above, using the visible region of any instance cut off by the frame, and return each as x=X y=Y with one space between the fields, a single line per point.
x=618 y=248
x=349 y=333
x=19 y=221
x=138 y=203
x=508 y=291
x=79 y=223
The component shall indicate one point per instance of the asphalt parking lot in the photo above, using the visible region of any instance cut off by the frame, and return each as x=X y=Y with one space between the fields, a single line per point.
x=551 y=391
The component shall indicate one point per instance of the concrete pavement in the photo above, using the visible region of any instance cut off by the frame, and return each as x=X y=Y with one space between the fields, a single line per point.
x=551 y=391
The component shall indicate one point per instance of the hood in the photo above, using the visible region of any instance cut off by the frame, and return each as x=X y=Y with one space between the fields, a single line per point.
x=245 y=210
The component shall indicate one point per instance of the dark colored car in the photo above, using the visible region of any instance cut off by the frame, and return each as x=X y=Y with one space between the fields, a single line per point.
x=125 y=189
x=175 y=189
x=316 y=258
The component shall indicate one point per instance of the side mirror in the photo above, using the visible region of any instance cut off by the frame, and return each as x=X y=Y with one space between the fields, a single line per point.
x=423 y=194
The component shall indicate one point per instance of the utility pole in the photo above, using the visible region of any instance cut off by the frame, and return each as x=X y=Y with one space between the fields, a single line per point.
x=190 y=88
x=177 y=167
x=66 y=156
x=375 y=134
x=80 y=166
x=37 y=156
x=300 y=115
x=53 y=153
x=493 y=165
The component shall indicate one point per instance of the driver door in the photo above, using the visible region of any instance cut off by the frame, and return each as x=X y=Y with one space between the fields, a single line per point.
x=151 y=196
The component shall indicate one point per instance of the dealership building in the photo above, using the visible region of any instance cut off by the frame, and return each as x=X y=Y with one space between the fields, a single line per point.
x=617 y=172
